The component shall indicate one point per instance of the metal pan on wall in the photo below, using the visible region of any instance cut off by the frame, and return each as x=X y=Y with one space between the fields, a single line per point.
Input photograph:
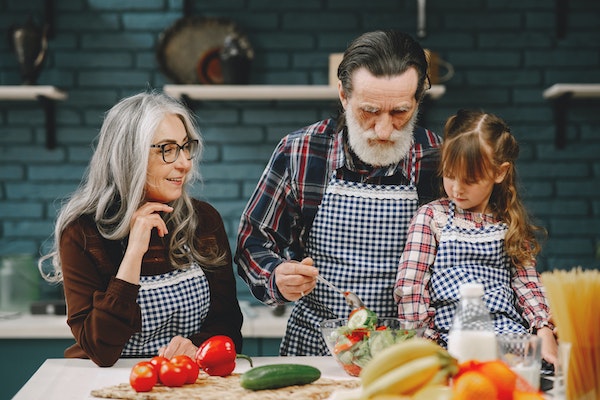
x=188 y=51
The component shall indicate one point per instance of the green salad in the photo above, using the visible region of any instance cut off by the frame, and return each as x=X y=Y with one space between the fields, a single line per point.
x=362 y=337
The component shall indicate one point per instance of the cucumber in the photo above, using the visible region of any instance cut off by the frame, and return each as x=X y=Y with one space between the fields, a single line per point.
x=362 y=317
x=275 y=376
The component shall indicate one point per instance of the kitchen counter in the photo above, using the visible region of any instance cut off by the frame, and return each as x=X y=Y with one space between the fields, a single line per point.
x=74 y=378
x=35 y=338
x=70 y=378
x=259 y=322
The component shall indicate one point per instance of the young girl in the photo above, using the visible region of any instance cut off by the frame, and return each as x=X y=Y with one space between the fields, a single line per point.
x=479 y=233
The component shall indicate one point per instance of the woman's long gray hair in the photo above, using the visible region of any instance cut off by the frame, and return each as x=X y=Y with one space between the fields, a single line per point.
x=113 y=186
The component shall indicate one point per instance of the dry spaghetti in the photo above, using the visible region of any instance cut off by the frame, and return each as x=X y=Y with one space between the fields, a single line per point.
x=573 y=301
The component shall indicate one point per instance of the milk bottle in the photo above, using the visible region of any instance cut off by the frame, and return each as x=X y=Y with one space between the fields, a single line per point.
x=471 y=335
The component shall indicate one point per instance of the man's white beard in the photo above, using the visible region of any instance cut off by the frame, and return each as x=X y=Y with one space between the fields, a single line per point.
x=374 y=153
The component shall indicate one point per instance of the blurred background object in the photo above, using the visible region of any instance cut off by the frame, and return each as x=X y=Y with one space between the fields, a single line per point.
x=19 y=282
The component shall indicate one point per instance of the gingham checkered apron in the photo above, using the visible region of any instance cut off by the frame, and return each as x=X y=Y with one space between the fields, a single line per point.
x=356 y=242
x=473 y=255
x=174 y=303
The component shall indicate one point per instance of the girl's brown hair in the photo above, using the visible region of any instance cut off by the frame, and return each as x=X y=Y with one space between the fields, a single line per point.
x=475 y=146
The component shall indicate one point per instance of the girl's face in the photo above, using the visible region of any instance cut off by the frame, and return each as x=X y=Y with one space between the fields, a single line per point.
x=473 y=196
x=164 y=182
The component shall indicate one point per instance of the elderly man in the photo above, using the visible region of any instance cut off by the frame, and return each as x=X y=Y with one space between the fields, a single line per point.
x=337 y=196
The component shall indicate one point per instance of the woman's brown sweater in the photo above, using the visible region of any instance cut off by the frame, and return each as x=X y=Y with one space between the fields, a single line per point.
x=102 y=310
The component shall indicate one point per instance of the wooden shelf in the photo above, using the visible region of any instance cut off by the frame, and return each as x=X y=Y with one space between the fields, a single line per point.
x=266 y=92
x=561 y=94
x=30 y=92
x=574 y=90
x=46 y=95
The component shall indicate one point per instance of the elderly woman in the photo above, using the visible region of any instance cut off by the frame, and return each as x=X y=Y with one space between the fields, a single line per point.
x=146 y=269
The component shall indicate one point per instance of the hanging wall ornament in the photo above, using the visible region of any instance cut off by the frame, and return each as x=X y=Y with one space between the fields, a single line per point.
x=29 y=43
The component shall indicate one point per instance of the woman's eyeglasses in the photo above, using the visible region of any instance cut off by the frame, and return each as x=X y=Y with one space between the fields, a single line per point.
x=170 y=151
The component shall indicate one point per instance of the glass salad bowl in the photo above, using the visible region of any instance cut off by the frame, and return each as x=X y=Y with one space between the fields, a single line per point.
x=353 y=344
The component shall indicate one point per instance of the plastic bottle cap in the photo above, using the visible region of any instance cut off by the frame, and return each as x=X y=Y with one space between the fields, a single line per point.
x=471 y=289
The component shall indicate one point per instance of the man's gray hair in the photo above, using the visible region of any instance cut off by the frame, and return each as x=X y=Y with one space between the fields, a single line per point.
x=384 y=53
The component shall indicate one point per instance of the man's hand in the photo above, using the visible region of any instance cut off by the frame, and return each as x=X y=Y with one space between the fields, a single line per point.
x=296 y=279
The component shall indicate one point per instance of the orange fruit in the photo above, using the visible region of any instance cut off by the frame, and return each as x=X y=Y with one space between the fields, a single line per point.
x=519 y=395
x=469 y=365
x=473 y=385
x=502 y=376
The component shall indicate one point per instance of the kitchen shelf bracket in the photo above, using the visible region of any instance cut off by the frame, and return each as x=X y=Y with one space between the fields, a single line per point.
x=562 y=95
x=50 y=114
x=46 y=96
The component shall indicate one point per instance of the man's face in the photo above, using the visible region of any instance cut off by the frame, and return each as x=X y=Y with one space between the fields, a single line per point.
x=381 y=115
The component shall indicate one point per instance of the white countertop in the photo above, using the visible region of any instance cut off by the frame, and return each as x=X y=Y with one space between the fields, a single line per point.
x=259 y=322
x=64 y=379
x=73 y=378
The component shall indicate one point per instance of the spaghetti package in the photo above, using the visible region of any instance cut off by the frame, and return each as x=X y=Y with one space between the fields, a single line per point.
x=573 y=297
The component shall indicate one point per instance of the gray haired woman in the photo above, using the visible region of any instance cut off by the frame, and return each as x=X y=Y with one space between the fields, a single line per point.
x=146 y=269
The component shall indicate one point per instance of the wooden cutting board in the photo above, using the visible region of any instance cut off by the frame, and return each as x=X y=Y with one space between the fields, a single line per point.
x=217 y=388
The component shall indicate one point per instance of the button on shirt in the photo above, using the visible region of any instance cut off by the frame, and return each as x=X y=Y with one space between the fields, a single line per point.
x=280 y=213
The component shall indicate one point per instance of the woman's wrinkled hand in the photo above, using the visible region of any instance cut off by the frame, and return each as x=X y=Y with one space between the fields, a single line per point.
x=146 y=218
x=177 y=346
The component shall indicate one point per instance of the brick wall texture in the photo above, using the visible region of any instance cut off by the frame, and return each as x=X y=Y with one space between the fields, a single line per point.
x=505 y=53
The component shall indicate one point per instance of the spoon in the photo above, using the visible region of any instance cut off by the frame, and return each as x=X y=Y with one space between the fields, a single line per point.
x=351 y=298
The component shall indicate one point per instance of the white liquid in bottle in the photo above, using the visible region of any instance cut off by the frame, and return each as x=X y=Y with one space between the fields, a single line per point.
x=471 y=336
x=472 y=345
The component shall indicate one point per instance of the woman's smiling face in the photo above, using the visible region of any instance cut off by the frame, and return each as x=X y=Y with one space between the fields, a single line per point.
x=164 y=181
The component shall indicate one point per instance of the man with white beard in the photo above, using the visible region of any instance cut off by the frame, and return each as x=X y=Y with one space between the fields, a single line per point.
x=336 y=197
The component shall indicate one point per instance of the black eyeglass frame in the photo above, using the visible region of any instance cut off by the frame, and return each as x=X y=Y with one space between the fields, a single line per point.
x=177 y=151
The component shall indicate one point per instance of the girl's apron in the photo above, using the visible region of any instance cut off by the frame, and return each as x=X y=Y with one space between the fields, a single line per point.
x=175 y=303
x=356 y=242
x=473 y=255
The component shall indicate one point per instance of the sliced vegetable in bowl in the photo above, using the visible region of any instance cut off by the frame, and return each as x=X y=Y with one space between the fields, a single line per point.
x=355 y=340
x=362 y=317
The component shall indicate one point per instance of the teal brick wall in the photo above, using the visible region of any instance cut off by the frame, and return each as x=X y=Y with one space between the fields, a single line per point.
x=504 y=54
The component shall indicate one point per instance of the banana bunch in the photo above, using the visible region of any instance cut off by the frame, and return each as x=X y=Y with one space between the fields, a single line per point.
x=405 y=368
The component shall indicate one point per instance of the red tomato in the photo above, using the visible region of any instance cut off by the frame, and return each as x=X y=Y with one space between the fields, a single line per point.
x=157 y=361
x=172 y=375
x=189 y=365
x=357 y=334
x=143 y=376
